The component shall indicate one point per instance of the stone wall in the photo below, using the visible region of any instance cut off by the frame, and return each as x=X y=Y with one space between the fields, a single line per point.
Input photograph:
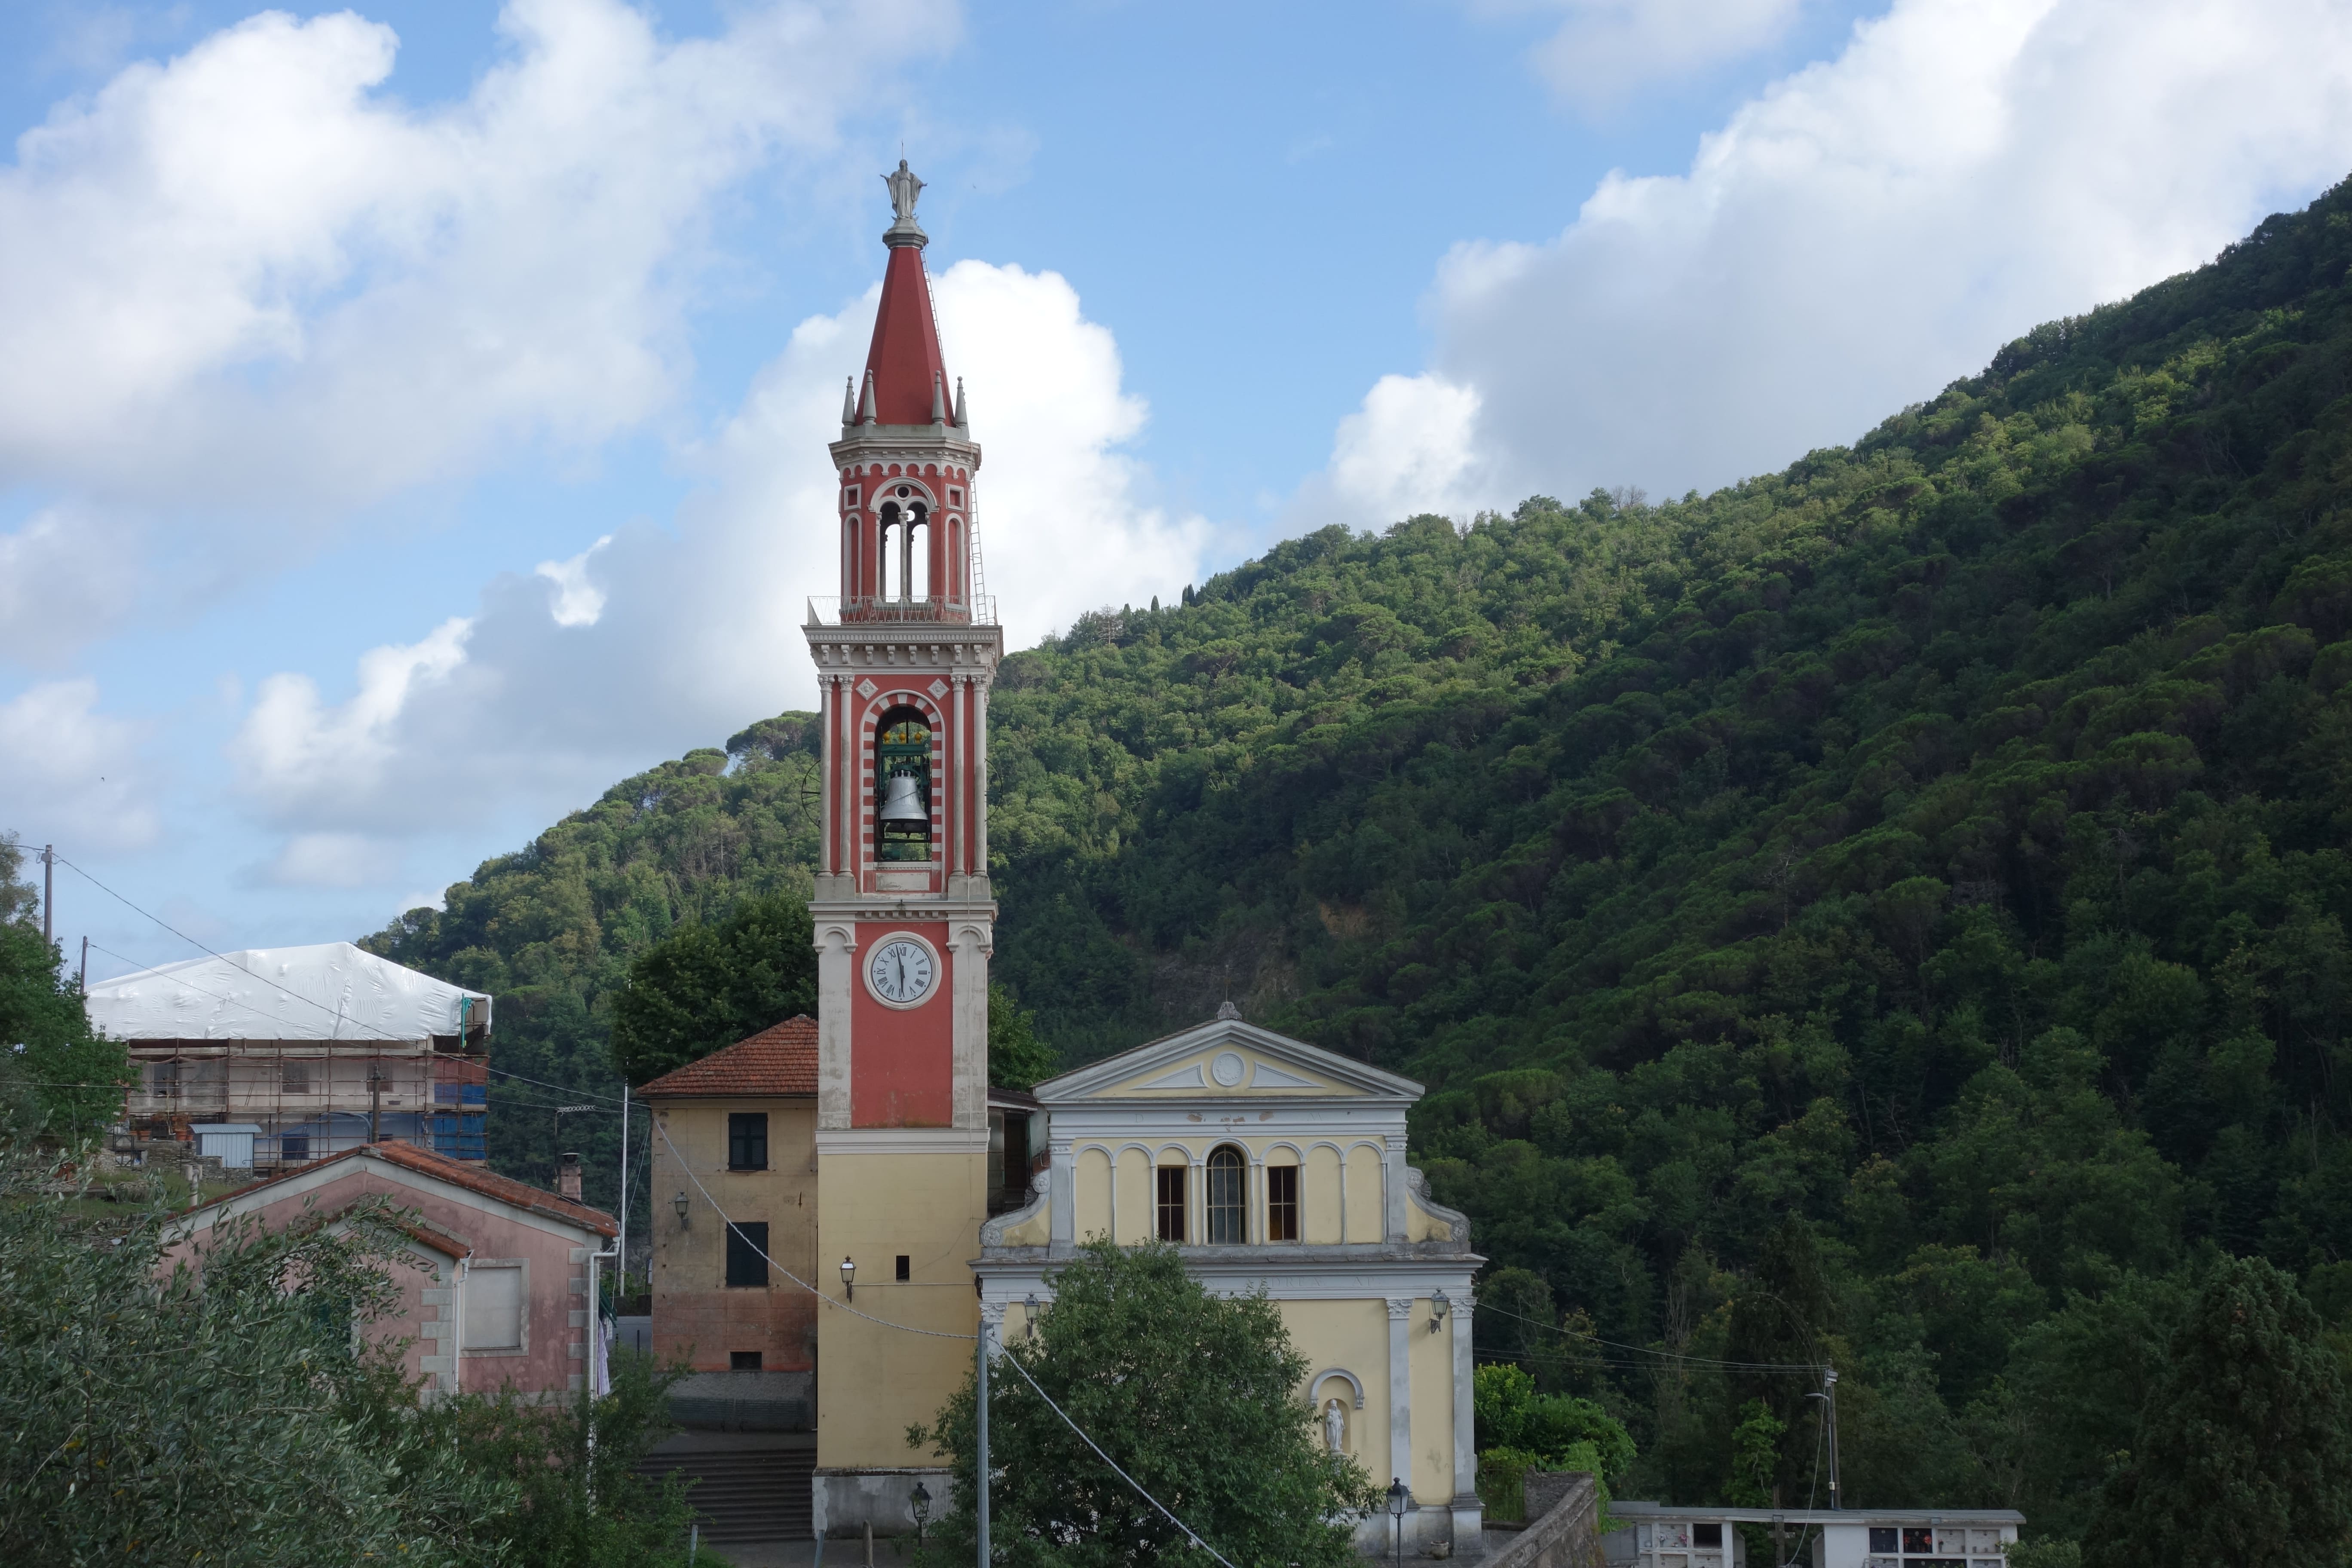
x=1563 y=1520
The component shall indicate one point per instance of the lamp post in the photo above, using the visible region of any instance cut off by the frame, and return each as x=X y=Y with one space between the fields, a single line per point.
x=922 y=1510
x=848 y=1280
x=1398 y=1498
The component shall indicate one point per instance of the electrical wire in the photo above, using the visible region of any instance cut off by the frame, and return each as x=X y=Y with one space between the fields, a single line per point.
x=156 y=971
x=1775 y=1367
x=1190 y=1533
x=821 y=1296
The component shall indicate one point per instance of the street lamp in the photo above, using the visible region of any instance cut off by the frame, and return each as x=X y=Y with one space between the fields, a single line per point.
x=682 y=1206
x=1030 y=1307
x=1398 y=1498
x=922 y=1510
x=1437 y=1305
x=848 y=1280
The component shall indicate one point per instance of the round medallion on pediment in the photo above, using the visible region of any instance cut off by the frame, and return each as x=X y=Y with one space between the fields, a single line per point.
x=1227 y=1069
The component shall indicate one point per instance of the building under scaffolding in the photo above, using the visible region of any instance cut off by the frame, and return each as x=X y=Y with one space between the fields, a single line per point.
x=317 y=1049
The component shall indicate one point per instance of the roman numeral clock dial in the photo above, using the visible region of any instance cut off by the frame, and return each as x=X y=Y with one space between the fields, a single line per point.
x=901 y=972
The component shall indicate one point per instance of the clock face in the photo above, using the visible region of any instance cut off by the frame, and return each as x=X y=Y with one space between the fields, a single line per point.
x=901 y=972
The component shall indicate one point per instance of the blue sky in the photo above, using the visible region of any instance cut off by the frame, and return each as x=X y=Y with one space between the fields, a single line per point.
x=332 y=344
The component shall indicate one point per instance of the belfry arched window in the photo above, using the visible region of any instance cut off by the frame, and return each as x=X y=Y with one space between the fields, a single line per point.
x=1228 y=1198
x=902 y=786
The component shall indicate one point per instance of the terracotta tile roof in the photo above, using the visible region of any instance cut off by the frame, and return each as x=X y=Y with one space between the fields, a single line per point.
x=465 y=1173
x=782 y=1060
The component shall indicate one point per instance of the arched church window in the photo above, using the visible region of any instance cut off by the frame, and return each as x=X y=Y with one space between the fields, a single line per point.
x=902 y=786
x=1228 y=1201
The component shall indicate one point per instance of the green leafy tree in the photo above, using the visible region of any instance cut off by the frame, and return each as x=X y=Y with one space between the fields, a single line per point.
x=579 y=1502
x=1194 y=1395
x=1755 y=1456
x=1558 y=1431
x=176 y=1415
x=1017 y=1058
x=2244 y=1451
x=57 y=1075
x=710 y=985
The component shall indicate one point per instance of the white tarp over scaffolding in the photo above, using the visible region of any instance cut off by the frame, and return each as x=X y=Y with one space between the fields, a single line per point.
x=331 y=991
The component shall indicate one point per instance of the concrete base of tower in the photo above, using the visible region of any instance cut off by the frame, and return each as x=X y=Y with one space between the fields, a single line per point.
x=844 y=1502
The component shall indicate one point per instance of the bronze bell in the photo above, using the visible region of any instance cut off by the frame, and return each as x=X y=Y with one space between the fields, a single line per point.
x=902 y=799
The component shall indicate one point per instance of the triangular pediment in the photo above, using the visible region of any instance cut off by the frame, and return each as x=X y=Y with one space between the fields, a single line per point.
x=1227 y=1058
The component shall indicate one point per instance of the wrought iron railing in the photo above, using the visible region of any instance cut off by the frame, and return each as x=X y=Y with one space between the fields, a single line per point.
x=829 y=610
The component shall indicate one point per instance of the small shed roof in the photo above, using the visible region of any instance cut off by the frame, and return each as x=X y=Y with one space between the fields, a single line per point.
x=781 y=1060
x=329 y=991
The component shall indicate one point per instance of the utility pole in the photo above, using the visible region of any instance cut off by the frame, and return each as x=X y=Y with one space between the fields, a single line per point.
x=375 y=1094
x=621 y=1242
x=85 y=966
x=1829 y=1399
x=980 y=1471
x=48 y=888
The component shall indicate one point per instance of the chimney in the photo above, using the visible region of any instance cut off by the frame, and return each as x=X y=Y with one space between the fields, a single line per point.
x=567 y=1176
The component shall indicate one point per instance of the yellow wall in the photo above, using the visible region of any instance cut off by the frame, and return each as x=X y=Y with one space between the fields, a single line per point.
x=873 y=1382
x=696 y=1314
x=1092 y=1188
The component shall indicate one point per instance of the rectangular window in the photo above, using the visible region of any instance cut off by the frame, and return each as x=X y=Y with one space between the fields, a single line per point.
x=747 y=1140
x=1282 y=1203
x=293 y=1147
x=1706 y=1534
x=743 y=1361
x=294 y=1078
x=746 y=1266
x=906 y=1268
x=1228 y=1179
x=1172 y=1202
x=494 y=1307
x=164 y=1078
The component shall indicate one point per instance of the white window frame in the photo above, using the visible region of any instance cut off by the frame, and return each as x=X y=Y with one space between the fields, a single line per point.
x=522 y=1306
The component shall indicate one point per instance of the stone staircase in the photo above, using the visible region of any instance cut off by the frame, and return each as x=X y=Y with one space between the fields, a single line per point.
x=745 y=1494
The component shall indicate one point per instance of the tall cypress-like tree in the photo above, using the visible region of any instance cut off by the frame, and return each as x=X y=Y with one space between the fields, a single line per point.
x=2244 y=1455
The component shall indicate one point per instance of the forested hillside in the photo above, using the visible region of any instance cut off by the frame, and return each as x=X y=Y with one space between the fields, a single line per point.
x=1890 y=911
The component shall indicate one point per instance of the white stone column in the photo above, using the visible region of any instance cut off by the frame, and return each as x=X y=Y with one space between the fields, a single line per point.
x=826 y=690
x=1469 y=1518
x=970 y=946
x=836 y=958
x=1400 y=1389
x=1063 y=1192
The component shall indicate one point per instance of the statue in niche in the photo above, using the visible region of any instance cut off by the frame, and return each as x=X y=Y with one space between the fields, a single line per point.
x=1334 y=1427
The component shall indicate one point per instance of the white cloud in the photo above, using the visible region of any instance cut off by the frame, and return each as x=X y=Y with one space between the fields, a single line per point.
x=250 y=282
x=304 y=760
x=1872 y=227
x=577 y=601
x=1605 y=49
x=696 y=631
x=1411 y=448
x=70 y=772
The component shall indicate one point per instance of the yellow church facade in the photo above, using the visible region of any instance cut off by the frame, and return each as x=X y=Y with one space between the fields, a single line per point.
x=1273 y=1166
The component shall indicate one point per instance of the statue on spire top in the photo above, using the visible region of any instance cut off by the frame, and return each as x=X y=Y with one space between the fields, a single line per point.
x=904 y=189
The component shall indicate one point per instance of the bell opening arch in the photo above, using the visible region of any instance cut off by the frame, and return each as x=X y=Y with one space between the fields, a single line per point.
x=902 y=785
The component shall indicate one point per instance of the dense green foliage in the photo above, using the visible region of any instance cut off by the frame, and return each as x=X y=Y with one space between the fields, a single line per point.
x=57 y=1076
x=1194 y=1395
x=712 y=983
x=228 y=1413
x=2245 y=1452
x=1939 y=844
x=150 y=1416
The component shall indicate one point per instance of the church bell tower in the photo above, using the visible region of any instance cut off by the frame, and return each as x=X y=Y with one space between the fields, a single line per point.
x=903 y=914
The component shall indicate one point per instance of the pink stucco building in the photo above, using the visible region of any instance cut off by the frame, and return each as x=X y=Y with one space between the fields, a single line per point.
x=506 y=1271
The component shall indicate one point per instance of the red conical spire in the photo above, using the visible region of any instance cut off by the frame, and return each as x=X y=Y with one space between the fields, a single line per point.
x=904 y=359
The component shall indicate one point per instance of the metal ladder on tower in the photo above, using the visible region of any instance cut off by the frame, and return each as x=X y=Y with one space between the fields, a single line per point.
x=978 y=567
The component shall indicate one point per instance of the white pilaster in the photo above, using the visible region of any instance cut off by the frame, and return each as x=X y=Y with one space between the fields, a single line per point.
x=837 y=950
x=968 y=940
x=1469 y=1517
x=1393 y=1194
x=1063 y=1193
x=1400 y=1388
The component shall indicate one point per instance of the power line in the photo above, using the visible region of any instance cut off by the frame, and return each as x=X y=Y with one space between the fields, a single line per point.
x=821 y=1296
x=1485 y=1310
x=341 y=1016
x=1189 y=1534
